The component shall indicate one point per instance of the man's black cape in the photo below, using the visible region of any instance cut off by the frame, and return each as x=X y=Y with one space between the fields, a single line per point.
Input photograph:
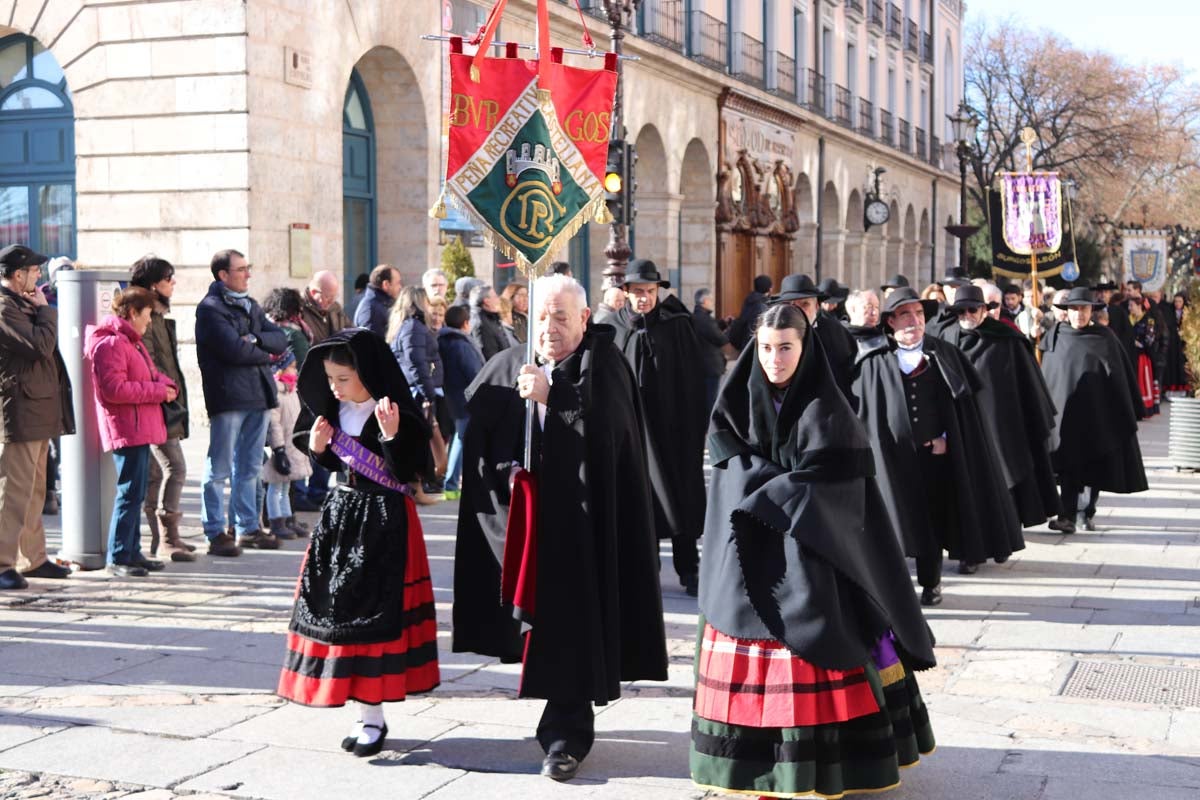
x=1093 y=385
x=840 y=348
x=599 y=607
x=981 y=522
x=1017 y=412
x=664 y=352
x=942 y=321
x=742 y=329
x=1119 y=324
x=797 y=543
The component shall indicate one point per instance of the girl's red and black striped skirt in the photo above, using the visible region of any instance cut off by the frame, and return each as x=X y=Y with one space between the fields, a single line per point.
x=771 y=724
x=320 y=673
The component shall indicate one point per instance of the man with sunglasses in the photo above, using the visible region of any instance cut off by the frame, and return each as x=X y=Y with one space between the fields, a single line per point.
x=35 y=406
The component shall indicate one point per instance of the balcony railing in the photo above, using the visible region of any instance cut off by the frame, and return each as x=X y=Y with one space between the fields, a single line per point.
x=895 y=20
x=782 y=74
x=843 y=103
x=855 y=6
x=922 y=153
x=709 y=45
x=662 y=22
x=935 y=151
x=866 y=117
x=817 y=98
x=927 y=48
x=887 y=127
x=911 y=35
x=593 y=7
x=875 y=16
x=747 y=62
x=905 y=140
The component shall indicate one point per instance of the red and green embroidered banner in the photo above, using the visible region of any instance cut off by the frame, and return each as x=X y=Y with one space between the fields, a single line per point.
x=528 y=143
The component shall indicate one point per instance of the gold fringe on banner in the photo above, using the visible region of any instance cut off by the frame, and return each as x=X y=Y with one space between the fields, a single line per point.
x=603 y=215
x=439 y=208
x=531 y=269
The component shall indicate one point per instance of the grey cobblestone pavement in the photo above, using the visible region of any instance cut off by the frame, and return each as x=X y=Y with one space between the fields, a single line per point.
x=162 y=687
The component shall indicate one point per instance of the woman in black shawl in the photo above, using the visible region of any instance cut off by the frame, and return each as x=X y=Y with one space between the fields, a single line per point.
x=363 y=627
x=809 y=627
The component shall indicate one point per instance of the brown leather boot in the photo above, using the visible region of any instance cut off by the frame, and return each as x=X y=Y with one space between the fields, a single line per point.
x=155 y=536
x=175 y=546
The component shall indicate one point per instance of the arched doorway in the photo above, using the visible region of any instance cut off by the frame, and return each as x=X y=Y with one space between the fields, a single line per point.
x=655 y=227
x=832 y=235
x=358 y=184
x=37 y=149
x=696 y=233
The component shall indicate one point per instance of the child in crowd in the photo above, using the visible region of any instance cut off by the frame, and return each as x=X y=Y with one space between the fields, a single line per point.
x=284 y=462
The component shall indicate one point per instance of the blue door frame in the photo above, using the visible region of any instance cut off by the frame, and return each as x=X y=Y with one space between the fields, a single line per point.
x=359 y=241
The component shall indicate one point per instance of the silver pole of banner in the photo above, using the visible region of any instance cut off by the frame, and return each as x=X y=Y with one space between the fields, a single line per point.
x=529 y=359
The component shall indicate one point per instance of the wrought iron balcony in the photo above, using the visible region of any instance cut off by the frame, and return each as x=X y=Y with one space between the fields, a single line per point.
x=709 y=45
x=662 y=22
x=935 y=152
x=927 y=48
x=905 y=140
x=887 y=127
x=854 y=7
x=875 y=15
x=843 y=103
x=747 y=61
x=922 y=152
x=911 y=35
x=895 y=24
x=866 y=117
x=817 y=98
x=593 y=8
x=782 y=74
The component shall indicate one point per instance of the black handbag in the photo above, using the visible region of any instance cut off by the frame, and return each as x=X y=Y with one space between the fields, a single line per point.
x=175 y=413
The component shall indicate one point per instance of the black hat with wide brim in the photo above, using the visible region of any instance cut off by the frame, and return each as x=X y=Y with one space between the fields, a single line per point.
x=955 y=277
x=1105 y=286
x=643 y=270
x=797 y=287
x=1079 y=296
x=903 y=296
x=833 y=290
x=897 y=281
x=969 y=297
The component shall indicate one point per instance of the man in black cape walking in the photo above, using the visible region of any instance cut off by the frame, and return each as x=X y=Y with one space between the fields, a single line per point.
x=1016 y=405
x=754 y=305
x=937 y=467
x=1092 y=382
x=951 y=282
x=836 y=341
x=659 y=340
x=598 y=609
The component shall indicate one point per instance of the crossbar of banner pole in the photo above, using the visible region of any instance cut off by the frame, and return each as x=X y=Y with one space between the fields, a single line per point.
x=430 y=37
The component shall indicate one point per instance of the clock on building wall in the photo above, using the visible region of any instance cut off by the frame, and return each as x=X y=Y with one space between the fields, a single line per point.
x=876 y=213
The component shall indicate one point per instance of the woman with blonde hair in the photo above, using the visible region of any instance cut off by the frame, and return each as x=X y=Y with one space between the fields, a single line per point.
x=416 y=350
x=517 y=295
x=933 y=292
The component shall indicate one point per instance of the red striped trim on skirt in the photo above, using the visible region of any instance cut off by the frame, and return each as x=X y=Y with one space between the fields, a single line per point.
x=762 y=684
x=318 y=674
x=1146 y=384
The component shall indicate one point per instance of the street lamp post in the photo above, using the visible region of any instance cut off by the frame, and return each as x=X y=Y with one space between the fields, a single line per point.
x=964 y=125
x=620 y=14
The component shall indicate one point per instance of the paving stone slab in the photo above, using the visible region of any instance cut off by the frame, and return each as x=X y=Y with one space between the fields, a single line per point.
x=200 y=675
x=172 y=720
x=16 y=730
x=59 y=660
x=1082 y=764
x=281 y=773
x=297 y=727
x=93 y=752
x=1074 y=789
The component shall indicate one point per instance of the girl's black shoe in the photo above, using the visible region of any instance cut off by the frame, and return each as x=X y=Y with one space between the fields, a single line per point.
x=364 y=750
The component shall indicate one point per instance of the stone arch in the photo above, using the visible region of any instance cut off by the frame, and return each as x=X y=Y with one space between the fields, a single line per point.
x=696 y=240
x=651 y=235
x=892 y=234
x=832 y=234
x=805 y=209
x=925 y=246
x=401 y=162
x=855 y=237
x=804 y=248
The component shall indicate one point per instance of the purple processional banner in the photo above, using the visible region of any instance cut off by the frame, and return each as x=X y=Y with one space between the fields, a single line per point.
x=1033 y=212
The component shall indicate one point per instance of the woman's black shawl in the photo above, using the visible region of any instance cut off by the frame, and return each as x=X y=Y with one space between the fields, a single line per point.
x=797 y=543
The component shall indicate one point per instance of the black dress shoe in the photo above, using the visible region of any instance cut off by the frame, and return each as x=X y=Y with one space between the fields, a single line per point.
x=1085 y=522
x=48 y=569
x=967 y=568
x=364 y=750
x=690 y=584
x=1061 y=524
x=149 y=564
x=559 y=766
x=931 y=596
x=11 y=579
x=127 y=571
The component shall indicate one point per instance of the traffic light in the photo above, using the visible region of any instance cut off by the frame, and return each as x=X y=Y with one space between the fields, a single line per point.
x=629 y=184
x=614 y=181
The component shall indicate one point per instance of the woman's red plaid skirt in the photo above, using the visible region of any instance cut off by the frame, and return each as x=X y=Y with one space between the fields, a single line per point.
x=762 y=684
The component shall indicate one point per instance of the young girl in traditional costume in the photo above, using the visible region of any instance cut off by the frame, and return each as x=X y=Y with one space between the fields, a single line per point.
x=363 y=627
x=809 y=627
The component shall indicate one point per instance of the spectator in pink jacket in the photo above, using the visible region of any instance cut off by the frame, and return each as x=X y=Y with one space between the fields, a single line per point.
x=129 y=397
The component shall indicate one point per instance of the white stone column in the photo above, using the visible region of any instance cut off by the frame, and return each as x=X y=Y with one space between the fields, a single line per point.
x=657 y=229
x=804 y=249
x=854 y=261
x=832 y=262
x=698 y=248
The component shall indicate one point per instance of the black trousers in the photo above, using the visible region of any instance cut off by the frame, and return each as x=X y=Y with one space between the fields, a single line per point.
x=935 y=477
x=567 y=727
x=1074 y=494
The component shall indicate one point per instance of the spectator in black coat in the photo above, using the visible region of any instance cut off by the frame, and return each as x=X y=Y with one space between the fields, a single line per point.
x=462 y=360
x=752 y=308
x=415 y=346
x=487 y=331
x=712 y=343
x=377 y=300
x=234 y=345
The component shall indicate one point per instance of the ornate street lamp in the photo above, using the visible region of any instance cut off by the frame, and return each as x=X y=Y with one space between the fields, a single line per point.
x=963 y=125
x=620 y=16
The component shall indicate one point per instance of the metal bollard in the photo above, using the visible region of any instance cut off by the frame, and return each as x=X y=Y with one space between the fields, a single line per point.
x=88 y=475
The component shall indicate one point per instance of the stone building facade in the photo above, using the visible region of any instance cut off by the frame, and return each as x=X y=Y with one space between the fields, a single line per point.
x=309 y=134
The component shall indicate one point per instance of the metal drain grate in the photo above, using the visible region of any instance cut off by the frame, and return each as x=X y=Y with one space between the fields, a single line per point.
x=1134 y=683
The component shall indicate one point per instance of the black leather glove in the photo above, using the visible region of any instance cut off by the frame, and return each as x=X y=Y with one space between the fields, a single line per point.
x=279 y=459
